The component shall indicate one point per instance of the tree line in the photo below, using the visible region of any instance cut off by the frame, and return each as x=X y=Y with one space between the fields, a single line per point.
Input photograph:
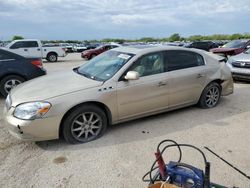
x=173 y=38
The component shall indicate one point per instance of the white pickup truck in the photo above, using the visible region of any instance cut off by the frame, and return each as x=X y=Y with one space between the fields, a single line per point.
x=34 y=48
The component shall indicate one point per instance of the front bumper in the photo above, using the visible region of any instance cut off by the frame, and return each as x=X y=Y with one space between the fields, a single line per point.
x=31 y=130
x=240 y=73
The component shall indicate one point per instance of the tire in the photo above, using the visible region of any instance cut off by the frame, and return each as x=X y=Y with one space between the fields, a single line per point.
x=52 y=57
x=9 y=82
x=84 y=124
x=210 y=96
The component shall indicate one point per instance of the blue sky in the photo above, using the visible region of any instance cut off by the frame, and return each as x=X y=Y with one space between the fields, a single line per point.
x=98 y=19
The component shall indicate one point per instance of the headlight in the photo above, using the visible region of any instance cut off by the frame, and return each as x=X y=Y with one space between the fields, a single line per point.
x=32 y=110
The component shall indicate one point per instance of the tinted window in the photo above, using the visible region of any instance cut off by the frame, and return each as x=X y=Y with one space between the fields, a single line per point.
x=30 y=44
x=5 y=55
x=176 y=60
x=17 y=45
x=107 y=47
x=24 y=44
x=149 y=64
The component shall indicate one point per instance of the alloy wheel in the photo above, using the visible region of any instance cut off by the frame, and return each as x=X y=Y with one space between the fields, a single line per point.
x=212 y=96
x=52 y=58
x=10 y=84
x=86 y=126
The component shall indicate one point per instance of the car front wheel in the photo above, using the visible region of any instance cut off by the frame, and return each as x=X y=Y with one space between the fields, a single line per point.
x=210 y=96
x=84 y=124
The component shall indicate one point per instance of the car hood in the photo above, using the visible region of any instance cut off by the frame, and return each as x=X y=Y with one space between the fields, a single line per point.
x=50 y=86
x=222 y=49
x=241 y=57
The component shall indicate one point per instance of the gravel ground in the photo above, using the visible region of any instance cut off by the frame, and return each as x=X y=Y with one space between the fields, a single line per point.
x=125 y=153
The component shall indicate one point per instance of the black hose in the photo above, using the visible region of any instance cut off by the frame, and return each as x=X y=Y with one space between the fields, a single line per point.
x=153 y=168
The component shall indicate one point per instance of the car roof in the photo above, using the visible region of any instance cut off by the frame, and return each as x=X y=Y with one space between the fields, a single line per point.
x=141 y=49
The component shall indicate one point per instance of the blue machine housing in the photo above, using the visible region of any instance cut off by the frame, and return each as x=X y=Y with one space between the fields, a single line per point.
x=181 y=174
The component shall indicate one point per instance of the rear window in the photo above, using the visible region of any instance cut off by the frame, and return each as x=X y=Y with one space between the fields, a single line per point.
x=5 y=55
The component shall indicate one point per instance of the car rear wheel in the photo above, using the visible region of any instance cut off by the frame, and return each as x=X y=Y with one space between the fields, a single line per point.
x=9 y=82
x=84 y=124
x=210 y=96
x=52 y=57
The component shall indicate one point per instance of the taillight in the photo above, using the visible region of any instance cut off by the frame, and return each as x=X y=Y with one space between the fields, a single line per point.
x=37 y=63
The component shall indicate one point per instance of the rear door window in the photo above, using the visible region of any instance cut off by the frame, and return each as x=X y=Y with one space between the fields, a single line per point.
x=180 y=59
x=30 y=44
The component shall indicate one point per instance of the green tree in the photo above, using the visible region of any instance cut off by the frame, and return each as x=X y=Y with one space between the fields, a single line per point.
x=17 y=37
x=174 y=37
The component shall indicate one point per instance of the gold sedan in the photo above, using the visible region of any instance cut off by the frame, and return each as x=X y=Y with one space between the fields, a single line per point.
x=122 y=84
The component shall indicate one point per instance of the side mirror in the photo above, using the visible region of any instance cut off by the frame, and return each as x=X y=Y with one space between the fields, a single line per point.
x=132 y=75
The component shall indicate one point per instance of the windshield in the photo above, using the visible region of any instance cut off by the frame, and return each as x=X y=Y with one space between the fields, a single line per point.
x=104 y=66
x=247 y=51
x=235 y=44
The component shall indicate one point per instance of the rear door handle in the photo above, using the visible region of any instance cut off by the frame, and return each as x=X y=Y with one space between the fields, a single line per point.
x=162 y=84
x=200 y=75
x=25 y=50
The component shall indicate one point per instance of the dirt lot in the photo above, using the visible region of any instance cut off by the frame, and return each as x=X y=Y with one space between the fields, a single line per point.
x=125 y=153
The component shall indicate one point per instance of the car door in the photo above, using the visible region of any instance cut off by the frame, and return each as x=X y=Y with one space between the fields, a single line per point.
x=33 y=48
x=187 y=76
x=19 y=48
x=147 y=94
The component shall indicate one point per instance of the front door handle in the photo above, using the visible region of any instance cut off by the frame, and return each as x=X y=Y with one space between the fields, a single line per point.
x=25 y=50
x=200 y=75
x=162 y=84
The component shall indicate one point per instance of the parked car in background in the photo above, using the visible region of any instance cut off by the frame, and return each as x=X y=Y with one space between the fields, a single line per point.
x=15 y=69
x=79 y=48
x=203 y=45
x=240 y=66
x=68 y=47
x=33 y=48
x=232 y=48
x=92 y=46
x=89 y=54
x=119 y=85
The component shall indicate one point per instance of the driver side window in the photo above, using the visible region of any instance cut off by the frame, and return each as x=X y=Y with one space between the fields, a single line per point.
x=17 y=45
x=149 y=64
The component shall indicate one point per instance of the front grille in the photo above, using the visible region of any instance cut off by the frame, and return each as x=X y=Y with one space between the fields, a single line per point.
x=241 y=76
x=241 y=64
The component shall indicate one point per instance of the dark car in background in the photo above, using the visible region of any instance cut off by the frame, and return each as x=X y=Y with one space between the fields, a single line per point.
x=232 y=48
x=203 y=45
x=89 y=54
x=15 y=69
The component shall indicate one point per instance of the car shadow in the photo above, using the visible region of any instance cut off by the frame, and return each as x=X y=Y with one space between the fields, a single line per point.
x=161 y=124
